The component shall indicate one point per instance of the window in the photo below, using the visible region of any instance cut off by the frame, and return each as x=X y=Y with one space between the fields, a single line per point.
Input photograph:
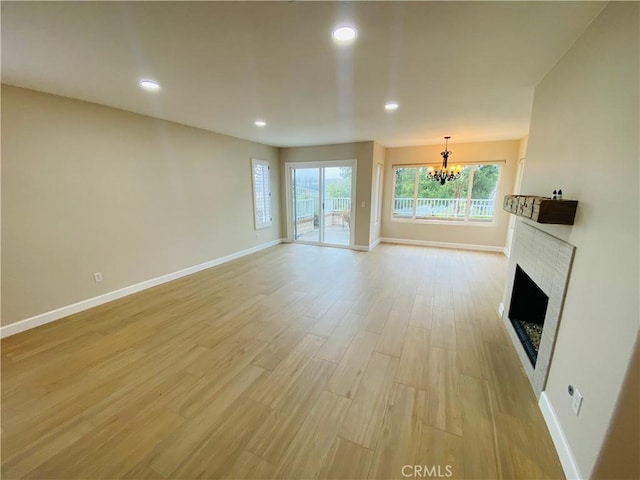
x=470 y=198
x=261 y=193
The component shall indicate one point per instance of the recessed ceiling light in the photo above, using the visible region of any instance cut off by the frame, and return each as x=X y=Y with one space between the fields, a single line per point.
x=260 y=123
x=391 y=106
x=150 y=85
x=344 y=33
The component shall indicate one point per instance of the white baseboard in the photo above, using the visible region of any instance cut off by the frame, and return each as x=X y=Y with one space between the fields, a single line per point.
x=500 y=309
x=360 y=248
x=428 y=243
x=569 y=465
x=374 y=244
x=62 y=312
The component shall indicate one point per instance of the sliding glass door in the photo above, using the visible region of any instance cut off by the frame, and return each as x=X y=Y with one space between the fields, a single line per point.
x=337 y=205
x=322 y=203
x=306 y=204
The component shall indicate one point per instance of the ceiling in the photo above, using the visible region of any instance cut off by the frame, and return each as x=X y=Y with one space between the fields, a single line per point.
x=465 y=69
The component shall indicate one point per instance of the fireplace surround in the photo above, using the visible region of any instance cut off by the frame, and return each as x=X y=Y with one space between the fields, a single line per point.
x=539 y=268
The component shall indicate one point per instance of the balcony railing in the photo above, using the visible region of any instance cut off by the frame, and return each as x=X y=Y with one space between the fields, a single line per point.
x=479 y=209
x=337 y=205
x=307 y=208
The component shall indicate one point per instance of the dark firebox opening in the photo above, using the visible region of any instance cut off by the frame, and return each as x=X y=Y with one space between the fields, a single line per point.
x=527 y=311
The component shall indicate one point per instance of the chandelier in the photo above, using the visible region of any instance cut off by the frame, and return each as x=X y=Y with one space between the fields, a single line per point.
x=445 y=172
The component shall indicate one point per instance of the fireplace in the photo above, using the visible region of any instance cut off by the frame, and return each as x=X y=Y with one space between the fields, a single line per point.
x=537 y=280
x=527 y=311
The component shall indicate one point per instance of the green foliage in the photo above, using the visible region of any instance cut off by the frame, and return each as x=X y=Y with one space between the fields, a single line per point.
x=484 y=183
x=340 y=188
x=405 y=182
x=428 y=188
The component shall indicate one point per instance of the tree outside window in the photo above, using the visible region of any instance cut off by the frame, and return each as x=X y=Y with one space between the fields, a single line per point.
x=471 y=197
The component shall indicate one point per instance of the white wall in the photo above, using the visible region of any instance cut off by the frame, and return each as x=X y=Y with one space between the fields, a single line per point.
x=87 y=188
x=485 y=235
x=584 y=139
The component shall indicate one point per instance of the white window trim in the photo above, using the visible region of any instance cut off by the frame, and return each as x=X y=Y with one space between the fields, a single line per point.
x=444 y=221
x=257 y=221
x=379 y=186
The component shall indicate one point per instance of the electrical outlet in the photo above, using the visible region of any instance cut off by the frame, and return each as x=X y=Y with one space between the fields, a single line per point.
x=97 y=277
x=576 y=403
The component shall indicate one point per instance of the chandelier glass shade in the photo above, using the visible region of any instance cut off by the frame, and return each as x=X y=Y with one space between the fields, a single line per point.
x=445 y=172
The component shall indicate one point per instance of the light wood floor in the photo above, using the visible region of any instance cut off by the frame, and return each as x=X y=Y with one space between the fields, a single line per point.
x=297 y=362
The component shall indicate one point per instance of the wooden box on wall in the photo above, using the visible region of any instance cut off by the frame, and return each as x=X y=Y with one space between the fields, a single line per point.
x=541 y=209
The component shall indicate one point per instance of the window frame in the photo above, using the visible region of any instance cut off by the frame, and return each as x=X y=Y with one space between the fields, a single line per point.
x=379 y=172
x=466 y=221
x=260 y=223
